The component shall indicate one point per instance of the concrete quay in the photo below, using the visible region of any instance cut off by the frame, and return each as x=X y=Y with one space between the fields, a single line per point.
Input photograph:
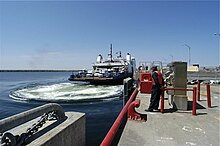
x=69 y=132
x=28 y=128
x=176 y=128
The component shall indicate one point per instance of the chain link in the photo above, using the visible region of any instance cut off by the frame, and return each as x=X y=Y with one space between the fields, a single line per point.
x=8 y=139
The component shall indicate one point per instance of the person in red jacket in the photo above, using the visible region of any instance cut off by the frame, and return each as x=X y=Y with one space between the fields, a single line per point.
x=157 y=83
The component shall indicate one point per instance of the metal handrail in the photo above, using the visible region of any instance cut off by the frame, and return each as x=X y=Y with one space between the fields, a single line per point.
x=16 y=120
x=112 y=132
x=181 y=89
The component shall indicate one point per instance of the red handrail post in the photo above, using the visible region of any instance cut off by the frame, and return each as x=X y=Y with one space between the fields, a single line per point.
x=194 y=102
x=113 y=130
x=162 y=101
x=198 y=97
x=208 y=95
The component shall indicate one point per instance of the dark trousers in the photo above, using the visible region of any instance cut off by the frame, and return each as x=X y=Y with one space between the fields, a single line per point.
x=155 y=97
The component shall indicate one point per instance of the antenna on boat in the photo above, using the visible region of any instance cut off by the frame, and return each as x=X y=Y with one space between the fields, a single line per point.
x=119 y=52
x=110 y=55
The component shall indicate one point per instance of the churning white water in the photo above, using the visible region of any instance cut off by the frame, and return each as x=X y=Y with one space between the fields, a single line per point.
x=67 y=92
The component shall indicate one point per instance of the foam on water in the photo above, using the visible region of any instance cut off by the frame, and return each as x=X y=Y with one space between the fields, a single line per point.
x=67 y=92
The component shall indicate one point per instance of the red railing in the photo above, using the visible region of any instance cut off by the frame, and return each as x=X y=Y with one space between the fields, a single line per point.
x=112 y=132
x=208 y=94
x=198 y=87
x=181 y=89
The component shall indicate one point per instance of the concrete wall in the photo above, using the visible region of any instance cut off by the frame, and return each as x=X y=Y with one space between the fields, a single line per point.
x=71 y=132
x=69 y=129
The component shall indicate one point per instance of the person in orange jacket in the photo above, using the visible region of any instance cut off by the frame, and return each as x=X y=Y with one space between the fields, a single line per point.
x=157 y=84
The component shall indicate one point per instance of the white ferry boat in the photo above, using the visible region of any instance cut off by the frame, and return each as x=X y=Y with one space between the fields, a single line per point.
x=111 y=71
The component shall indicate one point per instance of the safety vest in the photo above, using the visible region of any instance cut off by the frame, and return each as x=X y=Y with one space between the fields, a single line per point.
x=160 y=78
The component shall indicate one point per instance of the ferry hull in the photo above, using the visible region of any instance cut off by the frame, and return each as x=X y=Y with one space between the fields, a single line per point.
x=101 y=81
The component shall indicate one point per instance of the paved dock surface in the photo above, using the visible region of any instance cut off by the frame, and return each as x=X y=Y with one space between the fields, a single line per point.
x=175 y=128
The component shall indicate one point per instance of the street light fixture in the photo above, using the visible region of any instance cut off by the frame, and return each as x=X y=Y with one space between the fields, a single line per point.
x=218 y=34
x=189 y=53
x=171 y=57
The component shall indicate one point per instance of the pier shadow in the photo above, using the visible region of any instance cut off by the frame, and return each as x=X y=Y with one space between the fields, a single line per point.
x=165 y=98
x=189 y=109
x=170 y=110
x=202 y=100
x=198 y=106
x=214 y=106
x=201 y=114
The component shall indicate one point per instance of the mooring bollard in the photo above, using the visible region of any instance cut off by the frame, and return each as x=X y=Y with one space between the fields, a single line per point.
x=198 y=97
x=208 y=95
x=194 y=102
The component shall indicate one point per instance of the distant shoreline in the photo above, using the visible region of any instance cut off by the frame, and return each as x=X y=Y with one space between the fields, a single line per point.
x=40 y=70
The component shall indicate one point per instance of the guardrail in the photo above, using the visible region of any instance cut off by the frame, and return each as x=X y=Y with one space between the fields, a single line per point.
x=207 y=92
x=208 y=95
x=112 y=132
x=181 y=89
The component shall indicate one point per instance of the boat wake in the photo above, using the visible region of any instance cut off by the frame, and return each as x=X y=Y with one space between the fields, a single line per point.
x=67 y=92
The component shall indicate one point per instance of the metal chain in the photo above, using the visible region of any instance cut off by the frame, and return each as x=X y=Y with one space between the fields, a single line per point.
x=8 y=139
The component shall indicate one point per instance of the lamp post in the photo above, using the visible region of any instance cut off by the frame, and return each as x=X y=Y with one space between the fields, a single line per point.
x=189 y=53
x=172 y=57
x=218 y=34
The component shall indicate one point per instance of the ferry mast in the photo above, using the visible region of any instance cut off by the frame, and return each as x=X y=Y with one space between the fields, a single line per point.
x=110 y=55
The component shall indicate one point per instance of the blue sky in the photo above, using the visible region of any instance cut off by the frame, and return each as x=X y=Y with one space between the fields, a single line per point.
x=70 y=34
